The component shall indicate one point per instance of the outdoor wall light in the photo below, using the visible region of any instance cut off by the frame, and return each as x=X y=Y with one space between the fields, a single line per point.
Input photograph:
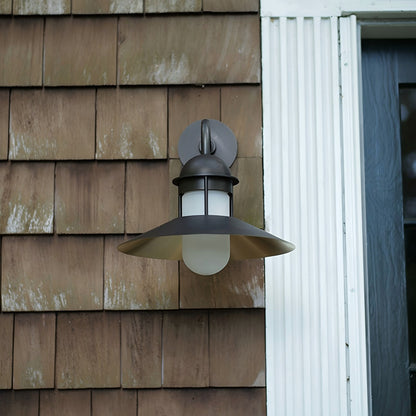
x=206 y=235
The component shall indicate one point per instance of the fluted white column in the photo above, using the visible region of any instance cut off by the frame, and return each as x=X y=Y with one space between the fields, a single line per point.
x=307 y=354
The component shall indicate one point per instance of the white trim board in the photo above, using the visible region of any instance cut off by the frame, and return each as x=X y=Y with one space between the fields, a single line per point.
x=353 y=183
x=361 y=8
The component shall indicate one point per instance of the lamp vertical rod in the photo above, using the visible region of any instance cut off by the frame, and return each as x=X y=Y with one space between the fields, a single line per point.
x=206 y=195
x=205 y=150
x=179 y=205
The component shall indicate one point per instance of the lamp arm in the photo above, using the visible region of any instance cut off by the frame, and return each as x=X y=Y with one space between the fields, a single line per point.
x=206 y=143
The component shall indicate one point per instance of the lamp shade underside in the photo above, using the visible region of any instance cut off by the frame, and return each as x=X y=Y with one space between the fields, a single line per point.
x=246 y=241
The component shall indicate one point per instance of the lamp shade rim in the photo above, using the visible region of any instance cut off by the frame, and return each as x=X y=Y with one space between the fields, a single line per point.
x=165 y=241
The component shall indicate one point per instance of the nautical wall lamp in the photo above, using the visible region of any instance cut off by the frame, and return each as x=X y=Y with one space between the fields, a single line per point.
x=206 y=235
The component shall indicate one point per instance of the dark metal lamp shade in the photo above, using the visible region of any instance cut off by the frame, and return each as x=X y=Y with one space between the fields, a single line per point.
x=246 y=241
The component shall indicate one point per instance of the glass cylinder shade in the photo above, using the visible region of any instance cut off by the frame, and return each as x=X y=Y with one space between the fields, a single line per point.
x=206 y=254
x=193 y=203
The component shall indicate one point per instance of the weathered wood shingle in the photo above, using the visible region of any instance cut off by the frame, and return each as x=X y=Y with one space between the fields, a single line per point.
x=241 y=112
x=169 y=6
x=231 y=5
x=132 y=123
x=89 y=198
x=26 y=198
x=202 y=402
x=48 y=7
x=132 y=282
x=107 y=402
x=34 y=351
x=88 y=350
x=237 y=349
x=185 y=349
x=5 y=6
x=4 y=123
x=6 y=350
x=80 y=51
x=52 y=273
x=65 y=403
x=248 y=193
x=19 y=403
x=52 y=124
x=21 y=62
x=107 y=6
x=147 y=187
x=239 y=285
x=141 y=349
x=189 y=50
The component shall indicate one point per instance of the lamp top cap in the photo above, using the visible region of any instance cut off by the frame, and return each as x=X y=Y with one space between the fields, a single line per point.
x=224 y=143
x=205 y=165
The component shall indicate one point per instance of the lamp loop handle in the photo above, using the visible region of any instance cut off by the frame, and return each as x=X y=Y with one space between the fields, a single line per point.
x=207 y=146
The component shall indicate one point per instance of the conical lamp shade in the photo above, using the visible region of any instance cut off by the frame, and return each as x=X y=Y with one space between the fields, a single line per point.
x=246 y=241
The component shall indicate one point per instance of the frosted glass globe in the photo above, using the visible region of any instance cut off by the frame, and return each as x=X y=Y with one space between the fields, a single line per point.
x=206 y=254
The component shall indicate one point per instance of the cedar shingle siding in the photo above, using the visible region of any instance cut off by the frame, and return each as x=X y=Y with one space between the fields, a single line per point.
x=94 y=95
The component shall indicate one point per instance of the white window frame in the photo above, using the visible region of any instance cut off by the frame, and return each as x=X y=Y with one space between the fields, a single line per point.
x=316 y=348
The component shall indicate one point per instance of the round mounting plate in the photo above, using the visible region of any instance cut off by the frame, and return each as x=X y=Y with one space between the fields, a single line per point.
x=225 y=143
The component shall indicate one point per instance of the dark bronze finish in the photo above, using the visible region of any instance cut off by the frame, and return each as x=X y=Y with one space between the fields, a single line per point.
x=206 y=170
x=246 y=241
x=223 y=142
x=205 y=148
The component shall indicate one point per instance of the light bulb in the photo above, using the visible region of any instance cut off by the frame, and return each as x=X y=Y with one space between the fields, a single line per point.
x=206 y=254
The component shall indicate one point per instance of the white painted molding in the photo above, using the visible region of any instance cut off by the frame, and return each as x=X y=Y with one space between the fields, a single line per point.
x=377 y=8
x=368 y=8
x=354 y=212
x=273 y=8
x=305 y=290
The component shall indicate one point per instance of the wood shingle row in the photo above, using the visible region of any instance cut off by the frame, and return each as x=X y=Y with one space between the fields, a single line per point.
x=105 y=197
x=81 y=51
x=62 y=7
x=54 y=273
x=151 y=402
x=121 y=123
x=152 y=349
